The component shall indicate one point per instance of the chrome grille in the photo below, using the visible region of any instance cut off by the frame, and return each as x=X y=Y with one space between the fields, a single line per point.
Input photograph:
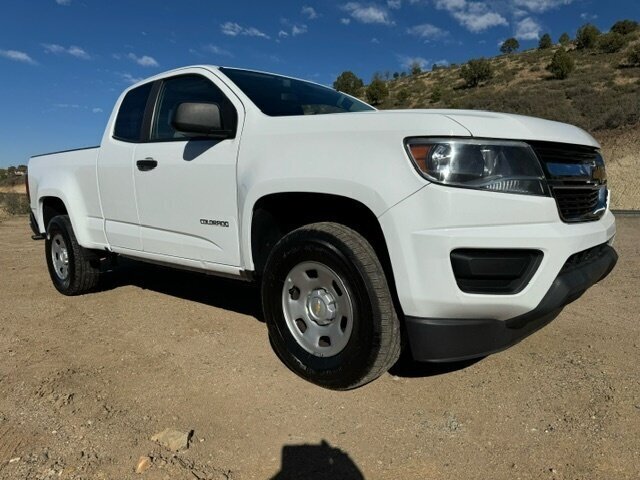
x=576 y=178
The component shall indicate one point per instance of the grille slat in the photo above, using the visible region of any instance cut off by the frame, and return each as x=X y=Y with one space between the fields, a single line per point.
x=579 y=197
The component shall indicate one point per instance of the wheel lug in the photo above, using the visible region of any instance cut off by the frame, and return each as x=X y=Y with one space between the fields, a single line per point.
x=294 y=292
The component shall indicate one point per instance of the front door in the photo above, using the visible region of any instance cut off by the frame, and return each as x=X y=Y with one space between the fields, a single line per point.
x=186 y=187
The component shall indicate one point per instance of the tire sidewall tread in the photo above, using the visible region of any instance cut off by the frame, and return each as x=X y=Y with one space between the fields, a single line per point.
x=375 y=343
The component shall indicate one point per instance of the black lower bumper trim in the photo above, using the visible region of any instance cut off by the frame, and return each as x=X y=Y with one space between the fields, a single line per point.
x=447 y=340
x=34 y=228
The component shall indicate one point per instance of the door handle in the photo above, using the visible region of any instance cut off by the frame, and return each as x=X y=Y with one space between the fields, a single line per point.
x=147 y=164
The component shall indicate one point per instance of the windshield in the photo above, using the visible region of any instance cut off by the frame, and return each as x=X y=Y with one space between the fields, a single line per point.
x=279 y=96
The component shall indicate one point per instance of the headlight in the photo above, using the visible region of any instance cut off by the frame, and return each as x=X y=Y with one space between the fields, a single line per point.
x=496 y=165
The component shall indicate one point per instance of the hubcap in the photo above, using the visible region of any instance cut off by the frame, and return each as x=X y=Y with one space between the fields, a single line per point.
x=317 y=309
x=60 y=256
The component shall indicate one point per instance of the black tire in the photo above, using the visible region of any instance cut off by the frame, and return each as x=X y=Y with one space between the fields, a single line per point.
x=82 y=270
x=375 y=340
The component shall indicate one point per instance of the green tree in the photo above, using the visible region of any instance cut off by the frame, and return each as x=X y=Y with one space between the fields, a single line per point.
x=403 y=96
x=587 y=36
x=564 y=39
x=561 y=64
x=633 y=58
x=396 y=75
x=611 y=42
x=545 y=42
x=377 y=91
x=436 y=93
x=415 y=68
x=476 y=71
x=349 y=83
x=625 y=27
x=510 y=45
x=11 y=171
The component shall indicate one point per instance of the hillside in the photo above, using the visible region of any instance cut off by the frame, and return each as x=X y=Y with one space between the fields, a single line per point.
x=602 y=96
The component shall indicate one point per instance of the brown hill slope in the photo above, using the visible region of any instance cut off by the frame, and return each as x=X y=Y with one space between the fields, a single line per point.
x=602 y=96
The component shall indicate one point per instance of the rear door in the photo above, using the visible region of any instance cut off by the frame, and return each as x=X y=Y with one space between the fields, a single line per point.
x=186 y=187
x=115 y=169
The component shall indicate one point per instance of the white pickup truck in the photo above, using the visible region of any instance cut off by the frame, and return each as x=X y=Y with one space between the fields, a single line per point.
x=451 y=234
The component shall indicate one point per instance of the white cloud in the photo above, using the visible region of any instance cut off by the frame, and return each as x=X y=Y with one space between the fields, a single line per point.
x=588 y=16
x=540 y=6
x=408 y=61
x=97 y=110
x=394 y=4
x=78 y=52
x=528 y=29
x=73 y=50
x=478 y=22
x=375 y=40
x=368 y=13
x=63 y=2
x=345 y=21
x=66 y=105
x=427 y=31
x=298 y=30
x=54 y=48
x=234 y=29
x=17 y=56
x=283 y=34
x=216 y=50
x=474 y=16
x=231 y=28
x=144 y=60
x=442 y=63
x=127 y=77
x=450 y=4
x=309 y=12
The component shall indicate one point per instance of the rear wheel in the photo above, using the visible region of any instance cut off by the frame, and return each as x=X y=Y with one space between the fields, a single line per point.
x=328 y=307
x=73 y=269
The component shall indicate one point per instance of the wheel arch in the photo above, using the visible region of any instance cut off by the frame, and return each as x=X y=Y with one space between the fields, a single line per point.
x=49 y=207
x=276 y=214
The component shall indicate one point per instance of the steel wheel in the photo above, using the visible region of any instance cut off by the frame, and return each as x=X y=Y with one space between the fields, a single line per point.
x=73 y=269
x=60 y=256
x=317 y=309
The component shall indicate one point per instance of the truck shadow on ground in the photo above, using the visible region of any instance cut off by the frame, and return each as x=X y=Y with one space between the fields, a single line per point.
x=234 y=295
x=406 y=367
x=316 y=462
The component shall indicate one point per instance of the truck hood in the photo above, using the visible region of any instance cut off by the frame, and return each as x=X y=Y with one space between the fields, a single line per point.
x=513 y=127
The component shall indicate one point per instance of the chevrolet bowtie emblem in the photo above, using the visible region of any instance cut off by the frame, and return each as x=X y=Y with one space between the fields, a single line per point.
x=599 y=173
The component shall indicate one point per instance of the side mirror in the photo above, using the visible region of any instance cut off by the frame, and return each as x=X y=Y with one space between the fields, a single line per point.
x=199 y=119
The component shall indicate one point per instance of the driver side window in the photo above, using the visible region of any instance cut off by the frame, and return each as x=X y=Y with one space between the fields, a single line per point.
x=177 y=90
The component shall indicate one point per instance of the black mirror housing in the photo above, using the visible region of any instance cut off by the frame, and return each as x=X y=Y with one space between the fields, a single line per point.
x=200 y=119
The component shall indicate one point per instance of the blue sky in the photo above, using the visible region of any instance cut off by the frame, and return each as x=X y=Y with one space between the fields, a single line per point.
x=63 y=63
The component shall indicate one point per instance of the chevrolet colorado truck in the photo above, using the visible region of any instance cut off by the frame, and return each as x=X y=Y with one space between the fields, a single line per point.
x=449 y=234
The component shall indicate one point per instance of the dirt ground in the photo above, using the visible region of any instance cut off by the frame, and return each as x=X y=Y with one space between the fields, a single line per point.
x=86 y=381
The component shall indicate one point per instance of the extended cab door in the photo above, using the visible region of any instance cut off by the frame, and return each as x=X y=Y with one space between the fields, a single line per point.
x=186 y=187
x=116 y=166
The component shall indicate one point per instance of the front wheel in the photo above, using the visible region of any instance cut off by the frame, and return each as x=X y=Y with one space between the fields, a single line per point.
x=73 y=269
x=328 y=307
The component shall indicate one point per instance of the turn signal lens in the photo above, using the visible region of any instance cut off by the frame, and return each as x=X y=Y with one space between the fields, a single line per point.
x=419 y=152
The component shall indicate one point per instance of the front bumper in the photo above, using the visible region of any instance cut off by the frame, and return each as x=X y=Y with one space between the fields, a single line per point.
x=445 y=340
x=446 y=323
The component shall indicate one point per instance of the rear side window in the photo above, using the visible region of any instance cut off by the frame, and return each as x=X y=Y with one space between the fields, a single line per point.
x=130 y=117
